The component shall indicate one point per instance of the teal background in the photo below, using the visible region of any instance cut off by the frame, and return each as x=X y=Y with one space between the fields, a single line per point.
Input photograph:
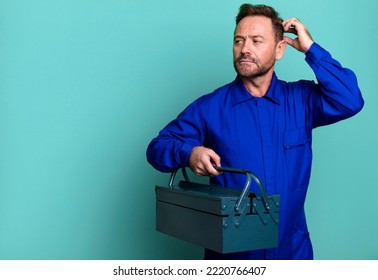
x=86 y=84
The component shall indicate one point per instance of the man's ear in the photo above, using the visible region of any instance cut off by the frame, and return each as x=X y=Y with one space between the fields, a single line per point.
x=280 y=49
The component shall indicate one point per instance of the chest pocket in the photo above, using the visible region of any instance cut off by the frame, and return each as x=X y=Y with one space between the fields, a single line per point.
x=297 y=153
x=295 y=138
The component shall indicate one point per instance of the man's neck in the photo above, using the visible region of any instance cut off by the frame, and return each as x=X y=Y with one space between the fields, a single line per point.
x=258 y=86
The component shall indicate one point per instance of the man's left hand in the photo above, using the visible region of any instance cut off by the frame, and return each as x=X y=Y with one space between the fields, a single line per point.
x=303 y=41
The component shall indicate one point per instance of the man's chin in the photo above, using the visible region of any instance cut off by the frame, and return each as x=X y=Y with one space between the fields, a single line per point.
x=245 y=71
x=247 y=74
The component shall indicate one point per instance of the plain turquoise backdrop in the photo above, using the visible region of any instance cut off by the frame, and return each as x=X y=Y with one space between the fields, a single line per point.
x=86 y=84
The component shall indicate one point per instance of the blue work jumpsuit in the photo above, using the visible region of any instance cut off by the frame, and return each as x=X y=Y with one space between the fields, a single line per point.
x=270 y=136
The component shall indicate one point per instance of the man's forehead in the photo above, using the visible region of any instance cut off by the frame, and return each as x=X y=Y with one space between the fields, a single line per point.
x=254 y=26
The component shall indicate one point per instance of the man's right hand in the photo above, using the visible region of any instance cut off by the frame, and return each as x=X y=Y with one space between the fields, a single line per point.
x=202 y=161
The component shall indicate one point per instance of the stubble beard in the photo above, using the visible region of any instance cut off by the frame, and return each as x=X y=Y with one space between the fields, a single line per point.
x=255 y=72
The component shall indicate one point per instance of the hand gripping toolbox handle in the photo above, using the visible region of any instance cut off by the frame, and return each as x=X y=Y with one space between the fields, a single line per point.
x=250 y=175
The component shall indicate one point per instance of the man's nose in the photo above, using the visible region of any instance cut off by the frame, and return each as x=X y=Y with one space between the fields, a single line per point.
x=246 y=48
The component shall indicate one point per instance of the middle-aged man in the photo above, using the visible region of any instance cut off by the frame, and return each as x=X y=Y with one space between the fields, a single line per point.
x=263 y=124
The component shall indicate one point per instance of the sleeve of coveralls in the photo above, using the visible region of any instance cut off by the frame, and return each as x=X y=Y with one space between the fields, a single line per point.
x=171 y=149
x=339 y=96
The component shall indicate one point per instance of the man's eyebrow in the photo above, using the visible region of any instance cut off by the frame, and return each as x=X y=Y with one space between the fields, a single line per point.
x=239 y=36
x=249 y=36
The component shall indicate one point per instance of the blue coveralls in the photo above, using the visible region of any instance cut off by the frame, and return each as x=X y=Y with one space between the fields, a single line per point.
x=270 y=136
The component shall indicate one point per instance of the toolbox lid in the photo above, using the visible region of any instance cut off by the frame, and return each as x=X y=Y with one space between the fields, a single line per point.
x=211 y=198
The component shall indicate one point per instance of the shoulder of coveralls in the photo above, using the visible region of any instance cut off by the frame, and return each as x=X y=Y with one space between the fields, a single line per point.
x=217 y=95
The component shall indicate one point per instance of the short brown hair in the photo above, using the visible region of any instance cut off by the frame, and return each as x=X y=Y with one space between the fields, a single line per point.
x=262 y=10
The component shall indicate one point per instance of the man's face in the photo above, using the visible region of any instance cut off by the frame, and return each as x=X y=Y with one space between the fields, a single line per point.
x=254 y=47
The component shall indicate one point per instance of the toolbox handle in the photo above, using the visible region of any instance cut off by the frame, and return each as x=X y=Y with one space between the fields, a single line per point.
x=250 y=175
x=173 y=175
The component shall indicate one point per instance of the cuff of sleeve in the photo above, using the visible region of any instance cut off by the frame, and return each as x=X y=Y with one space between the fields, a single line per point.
x=315 y=53
x=184 y=154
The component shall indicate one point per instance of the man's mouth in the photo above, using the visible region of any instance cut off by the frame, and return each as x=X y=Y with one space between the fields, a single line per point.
x=244 y=60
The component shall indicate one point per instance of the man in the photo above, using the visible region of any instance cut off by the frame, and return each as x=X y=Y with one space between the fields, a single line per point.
x=262 y=124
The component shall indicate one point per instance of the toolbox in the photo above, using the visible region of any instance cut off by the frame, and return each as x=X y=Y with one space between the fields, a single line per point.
x=218 y=218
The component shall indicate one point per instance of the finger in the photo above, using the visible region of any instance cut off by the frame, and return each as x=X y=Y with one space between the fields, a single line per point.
x=288 y=40
x=291 y=24
x=288 y=23
x=202 y=161
x=215 y=161
x=199 y=170
x=214 y=158
x=198 y=167
x=292 y=30
x=291 y=20
x=205 y=169
x=210 y=170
